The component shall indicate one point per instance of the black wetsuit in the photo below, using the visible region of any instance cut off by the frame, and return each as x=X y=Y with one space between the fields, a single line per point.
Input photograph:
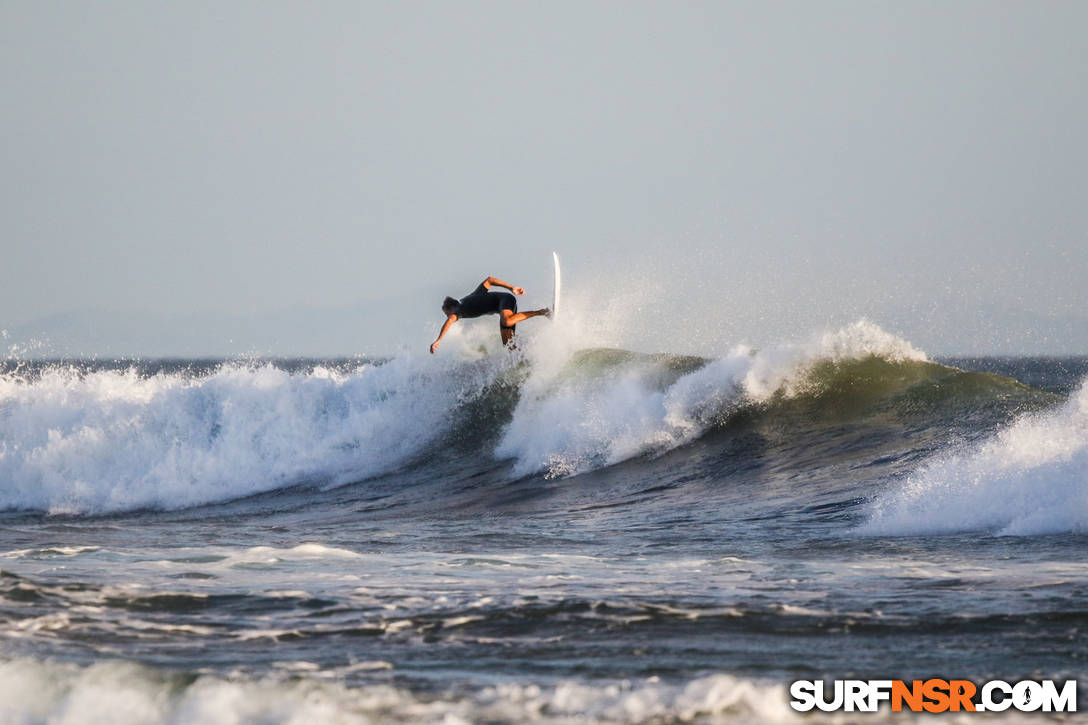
x=482 y=302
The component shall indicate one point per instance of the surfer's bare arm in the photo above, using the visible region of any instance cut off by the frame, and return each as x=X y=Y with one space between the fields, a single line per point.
x=445 y=326
x=499 y=283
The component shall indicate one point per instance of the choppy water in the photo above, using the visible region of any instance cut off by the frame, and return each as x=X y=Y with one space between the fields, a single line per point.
x=557 y=534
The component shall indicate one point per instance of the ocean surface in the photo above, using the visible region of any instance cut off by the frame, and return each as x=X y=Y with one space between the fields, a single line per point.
x=559 y=534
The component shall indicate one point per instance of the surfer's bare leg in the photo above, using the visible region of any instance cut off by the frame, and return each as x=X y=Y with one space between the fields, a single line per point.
x=509 y=317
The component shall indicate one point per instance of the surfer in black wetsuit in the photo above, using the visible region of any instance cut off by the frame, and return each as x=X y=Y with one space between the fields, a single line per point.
x=484 y=302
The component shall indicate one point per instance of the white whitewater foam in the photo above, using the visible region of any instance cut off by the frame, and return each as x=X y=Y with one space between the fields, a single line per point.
x=121 y=693
x=1031 y=478
x=113 y=441
x=569 y=426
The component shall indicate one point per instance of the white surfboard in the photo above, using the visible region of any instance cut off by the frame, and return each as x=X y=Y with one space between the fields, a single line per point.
x=556 y=287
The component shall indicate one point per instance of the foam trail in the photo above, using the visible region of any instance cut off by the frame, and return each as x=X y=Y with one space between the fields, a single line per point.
x=565 y=425
x=1031 y=478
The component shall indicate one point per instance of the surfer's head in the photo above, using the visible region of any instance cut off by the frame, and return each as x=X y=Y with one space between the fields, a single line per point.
x=449 y=306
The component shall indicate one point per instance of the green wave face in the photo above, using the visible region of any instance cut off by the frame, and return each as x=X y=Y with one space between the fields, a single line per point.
x=835 y=391
x=824 y=390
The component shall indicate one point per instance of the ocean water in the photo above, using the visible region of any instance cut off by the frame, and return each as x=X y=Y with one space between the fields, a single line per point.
x=559 y=534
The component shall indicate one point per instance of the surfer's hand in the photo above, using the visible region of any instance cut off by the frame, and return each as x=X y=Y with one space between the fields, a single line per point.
x=518 y=290
x=434 y=346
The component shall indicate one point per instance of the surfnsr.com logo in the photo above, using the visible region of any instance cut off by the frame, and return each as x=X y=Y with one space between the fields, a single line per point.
x=934 y=695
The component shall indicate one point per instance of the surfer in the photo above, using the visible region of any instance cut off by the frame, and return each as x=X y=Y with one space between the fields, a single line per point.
x=484 y=302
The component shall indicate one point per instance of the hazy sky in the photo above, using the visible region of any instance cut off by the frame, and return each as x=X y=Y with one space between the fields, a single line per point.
x=314 y=177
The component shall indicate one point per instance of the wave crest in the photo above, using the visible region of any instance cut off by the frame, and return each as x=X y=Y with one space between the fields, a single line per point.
x=569 y=422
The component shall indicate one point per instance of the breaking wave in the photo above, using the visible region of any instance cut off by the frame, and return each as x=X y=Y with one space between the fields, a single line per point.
x=83 y=441
x=92 y=442
x=1031 y=478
